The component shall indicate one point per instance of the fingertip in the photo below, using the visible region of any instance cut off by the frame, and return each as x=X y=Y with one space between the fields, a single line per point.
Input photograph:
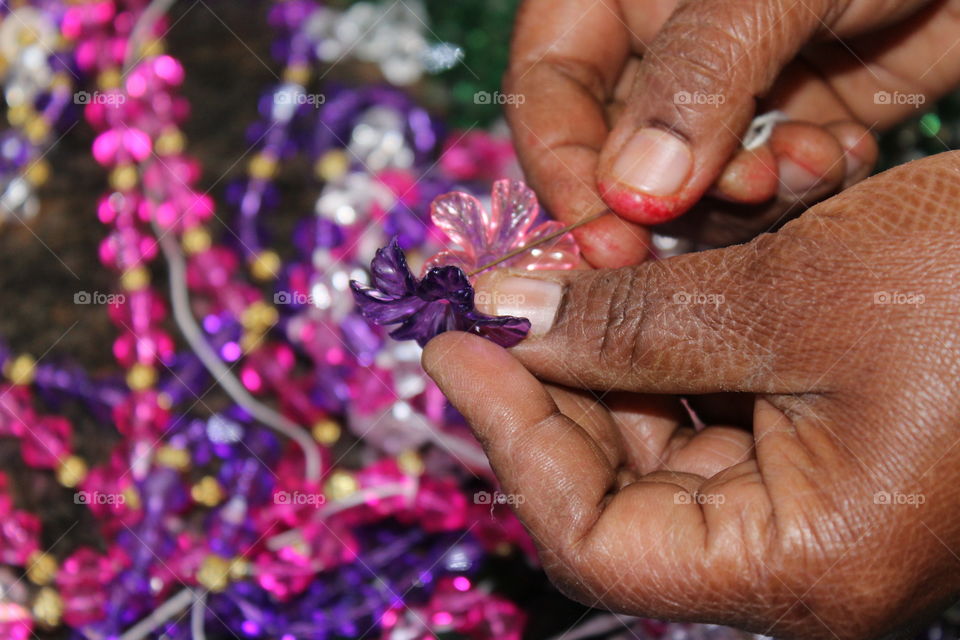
x=612 y=242
x=450 y=351
x=749 y=178
x=860 y=149
x=809 y=159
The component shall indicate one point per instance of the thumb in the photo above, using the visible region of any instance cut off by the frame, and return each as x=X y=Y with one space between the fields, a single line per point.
x=694 y=97
x=730 y=319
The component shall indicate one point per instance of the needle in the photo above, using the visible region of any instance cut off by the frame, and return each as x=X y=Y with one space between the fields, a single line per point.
x=553 y=236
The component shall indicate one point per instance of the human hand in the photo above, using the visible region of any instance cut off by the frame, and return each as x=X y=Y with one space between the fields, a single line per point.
x=595 y=120
x=834 y=514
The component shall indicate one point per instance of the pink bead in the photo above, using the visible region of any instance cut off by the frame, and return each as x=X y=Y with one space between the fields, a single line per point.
x=16 y=622
x=148 y=348
x=46 y=442
x=19 y=537
x=137 y=143
x=440 y=505
x=140 y=416
x=126 y=248
x=138 y=310
x=403 y=184
x=211 y=269
x=273 y=361
x=16 y=410
x=112 y=479
x=168 y=69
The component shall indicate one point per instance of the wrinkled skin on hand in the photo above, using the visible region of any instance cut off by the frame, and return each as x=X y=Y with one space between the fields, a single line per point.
x=593 y=74
x=831 y=512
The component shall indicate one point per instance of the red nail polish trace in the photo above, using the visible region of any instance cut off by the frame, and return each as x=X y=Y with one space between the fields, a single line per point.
x=639 y=207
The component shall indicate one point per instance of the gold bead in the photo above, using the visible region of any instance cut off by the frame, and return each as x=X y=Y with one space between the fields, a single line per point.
x=48 y=607
x=131 y=497
x=124 y=178
x=61 y=80
x=19 y=114
x=262 y=166
x=250 y=340
x=207 y=492
x=173 y=458
x=266 y=266
x=41 y=568
x=71 y=471
x=259 y=317
x=332 y=165
x=141 y=377
x=37 y=129
x=22 y=370
x=170 y=142
x=239 y=568
x=151 y=49
x=326 y=432
x=38 y=173
x=109 y=79
x=26 y=37
x=297 y=74
x=214 y=573
x=196 y=240
x=340 y=485
x=164 y=401
x=135 y=279
x=410 y=462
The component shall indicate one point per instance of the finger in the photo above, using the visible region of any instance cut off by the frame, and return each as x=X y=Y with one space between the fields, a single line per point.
x=693 y=99
x=587 y=410
x=860 y=150
x=802 y=93
x=562 y=74
x=698 y=323
x=892 y=73
x=560 y=474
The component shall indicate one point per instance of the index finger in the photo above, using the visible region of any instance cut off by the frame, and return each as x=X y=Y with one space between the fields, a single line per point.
x=566 y=58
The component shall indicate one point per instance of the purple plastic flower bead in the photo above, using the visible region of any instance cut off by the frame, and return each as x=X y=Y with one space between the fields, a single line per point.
x=441 y=301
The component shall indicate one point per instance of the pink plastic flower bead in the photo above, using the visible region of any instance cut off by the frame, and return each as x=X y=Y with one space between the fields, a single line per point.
x=483 y=236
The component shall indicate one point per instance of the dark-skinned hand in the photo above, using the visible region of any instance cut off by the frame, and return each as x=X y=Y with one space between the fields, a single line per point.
x=832 y=511
x=642 y=104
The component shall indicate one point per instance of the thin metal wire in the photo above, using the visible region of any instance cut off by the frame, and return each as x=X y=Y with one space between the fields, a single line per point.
x=553 y=236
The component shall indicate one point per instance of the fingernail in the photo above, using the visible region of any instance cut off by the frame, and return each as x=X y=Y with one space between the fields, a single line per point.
x=531 y=298
x=655 y=162
x=794 y=179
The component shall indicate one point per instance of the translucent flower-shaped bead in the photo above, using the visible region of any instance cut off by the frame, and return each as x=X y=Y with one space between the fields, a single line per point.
x=481 y=236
